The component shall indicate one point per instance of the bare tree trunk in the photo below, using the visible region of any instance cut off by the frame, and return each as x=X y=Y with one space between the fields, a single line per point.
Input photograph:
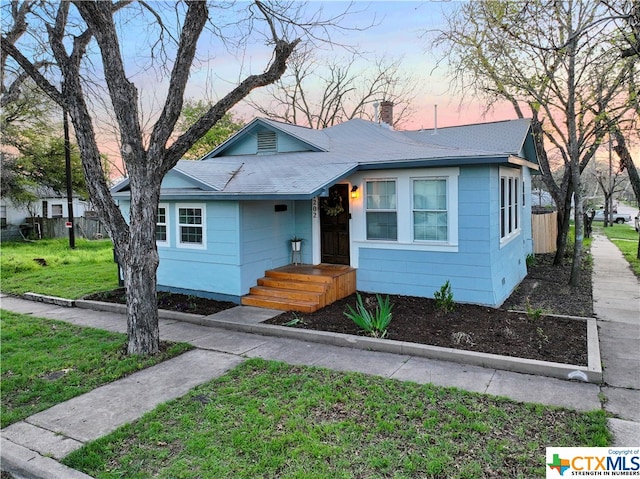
x=624 y=154
x=140 y=268
x=576 y=265
x=563 y=221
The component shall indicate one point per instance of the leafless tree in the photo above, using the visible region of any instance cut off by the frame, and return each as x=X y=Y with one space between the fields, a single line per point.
x=552 y=61
x=318 y=91
x=611 y=180
x=71 y=32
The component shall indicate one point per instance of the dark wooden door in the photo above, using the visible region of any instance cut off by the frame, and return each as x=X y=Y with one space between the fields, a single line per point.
x=334 y=225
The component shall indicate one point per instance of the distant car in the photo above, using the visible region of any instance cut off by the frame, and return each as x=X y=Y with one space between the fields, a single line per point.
x=617 y=217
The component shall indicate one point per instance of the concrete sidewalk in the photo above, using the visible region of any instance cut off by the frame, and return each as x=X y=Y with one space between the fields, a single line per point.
x=616 y=305
x=31 y=446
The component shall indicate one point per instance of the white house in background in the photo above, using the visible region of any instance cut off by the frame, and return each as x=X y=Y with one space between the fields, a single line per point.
x=404 y=211
x=48 y=204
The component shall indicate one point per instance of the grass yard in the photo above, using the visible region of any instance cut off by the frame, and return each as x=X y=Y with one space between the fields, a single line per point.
x=268 y=419
x=89 y=268
x=626 y=239
x=45 y=362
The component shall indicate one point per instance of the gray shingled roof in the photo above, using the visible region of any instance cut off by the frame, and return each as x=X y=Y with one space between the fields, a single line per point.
x=506 y=136
x=347 y=147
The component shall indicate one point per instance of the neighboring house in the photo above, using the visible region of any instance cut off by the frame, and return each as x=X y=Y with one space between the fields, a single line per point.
x=49 y=204
x=407 y=210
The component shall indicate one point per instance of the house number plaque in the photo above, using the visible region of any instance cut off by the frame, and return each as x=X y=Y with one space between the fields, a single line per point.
x=314 y=207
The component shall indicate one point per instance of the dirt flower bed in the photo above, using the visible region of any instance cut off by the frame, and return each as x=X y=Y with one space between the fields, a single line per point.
x=170 y=301
x=470 y=327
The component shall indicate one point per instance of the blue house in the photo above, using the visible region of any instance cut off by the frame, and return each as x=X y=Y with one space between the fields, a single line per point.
x=380 y=210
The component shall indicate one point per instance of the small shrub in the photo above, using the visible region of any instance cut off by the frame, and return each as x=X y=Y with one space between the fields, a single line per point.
x=533 y=314
x=375 y=323
x=531 y=260
x=444 y=298
x=295 y=321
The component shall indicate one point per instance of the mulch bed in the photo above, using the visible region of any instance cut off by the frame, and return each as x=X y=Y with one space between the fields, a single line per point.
x=468 y=327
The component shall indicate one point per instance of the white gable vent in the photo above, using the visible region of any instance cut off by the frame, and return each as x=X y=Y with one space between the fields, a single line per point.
x=267 y=141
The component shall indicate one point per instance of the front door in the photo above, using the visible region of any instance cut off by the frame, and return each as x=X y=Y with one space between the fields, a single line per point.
x=334 y=225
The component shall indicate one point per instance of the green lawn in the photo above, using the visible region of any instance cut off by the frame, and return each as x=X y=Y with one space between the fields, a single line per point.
x=45 y=362
x=268 y=419
x=89 y=268
x=626 y=239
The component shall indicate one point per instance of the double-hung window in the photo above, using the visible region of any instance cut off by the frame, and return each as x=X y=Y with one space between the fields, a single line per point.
x=56 y=211
x=381 y=210
x=191 y=227
x=509 y=205
x=430 y=216
x=162 y=231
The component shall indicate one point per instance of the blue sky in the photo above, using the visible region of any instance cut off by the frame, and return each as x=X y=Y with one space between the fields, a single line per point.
x=397 y=33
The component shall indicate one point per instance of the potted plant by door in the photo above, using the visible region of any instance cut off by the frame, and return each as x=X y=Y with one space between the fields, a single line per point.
x=296 y=244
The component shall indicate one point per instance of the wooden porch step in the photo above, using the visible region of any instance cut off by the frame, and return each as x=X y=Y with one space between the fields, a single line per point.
x=301 y=277
x=293 y=284
x=294 y=294
x=280 y=303
x=303 y=288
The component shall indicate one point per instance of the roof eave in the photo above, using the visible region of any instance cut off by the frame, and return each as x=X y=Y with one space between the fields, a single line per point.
x=433 y=162
x=516 y=160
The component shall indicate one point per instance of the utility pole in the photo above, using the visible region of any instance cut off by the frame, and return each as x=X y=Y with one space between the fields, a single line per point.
x=67 y=159
x=610 y=185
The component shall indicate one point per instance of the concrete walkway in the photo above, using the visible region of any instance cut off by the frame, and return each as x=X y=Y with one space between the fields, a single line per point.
x=616 y=305
x=30 y=448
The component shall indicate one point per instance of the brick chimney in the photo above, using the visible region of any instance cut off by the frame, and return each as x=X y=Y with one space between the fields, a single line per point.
x=386 y=112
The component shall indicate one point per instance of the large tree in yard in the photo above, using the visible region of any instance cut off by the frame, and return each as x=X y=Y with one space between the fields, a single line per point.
x=556 y=62
x=82 y=48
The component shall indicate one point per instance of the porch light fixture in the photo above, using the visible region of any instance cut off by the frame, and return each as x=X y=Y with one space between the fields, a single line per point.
x=354 y=191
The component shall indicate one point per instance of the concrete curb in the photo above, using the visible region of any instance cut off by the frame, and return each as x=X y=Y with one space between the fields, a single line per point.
x=23 y=463
x=590 y=373
x=43 y=298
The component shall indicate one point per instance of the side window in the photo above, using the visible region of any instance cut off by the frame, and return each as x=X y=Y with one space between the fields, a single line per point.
x=56 y=211
x=162 y=225
x=509 y=206
x=3 y=217
x=381 y=210
x=430 y=217
x=191 y=226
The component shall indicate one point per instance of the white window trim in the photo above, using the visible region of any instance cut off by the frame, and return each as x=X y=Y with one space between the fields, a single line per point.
x=514 y=212
x=412 y=181
x=179 y=242
x=167 y=225
x=366 y=210
x=404 y=206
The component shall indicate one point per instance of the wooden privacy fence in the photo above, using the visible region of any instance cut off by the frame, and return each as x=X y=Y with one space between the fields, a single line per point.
x=544 y=226
x=89 y=228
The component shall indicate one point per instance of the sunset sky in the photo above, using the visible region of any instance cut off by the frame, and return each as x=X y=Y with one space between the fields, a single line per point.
x=397 y=33
x=396 y=30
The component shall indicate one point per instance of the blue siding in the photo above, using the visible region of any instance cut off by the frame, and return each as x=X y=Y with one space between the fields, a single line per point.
x=244 y=239
x=248 y=144
x=266 y=237
x=482 y=271
x=214 y=269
